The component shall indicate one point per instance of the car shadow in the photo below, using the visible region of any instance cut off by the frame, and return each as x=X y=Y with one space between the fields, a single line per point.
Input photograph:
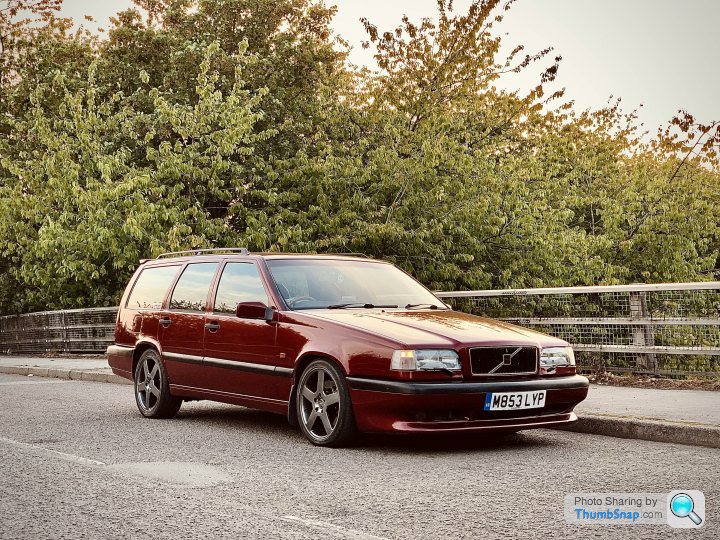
x=457 y=443
x=217 y=415
x=211 y=413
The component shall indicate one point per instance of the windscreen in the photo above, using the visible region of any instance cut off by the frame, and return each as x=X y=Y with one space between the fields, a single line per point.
x=327 y=283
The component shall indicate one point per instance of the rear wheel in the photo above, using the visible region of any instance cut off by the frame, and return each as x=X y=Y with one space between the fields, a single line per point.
x=152 y=389
x=323 y=405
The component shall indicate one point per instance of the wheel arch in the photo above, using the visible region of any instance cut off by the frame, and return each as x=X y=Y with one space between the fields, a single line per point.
x=301 y=365
x=140 y=348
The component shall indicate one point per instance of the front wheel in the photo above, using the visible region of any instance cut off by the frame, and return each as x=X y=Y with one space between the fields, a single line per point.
x=152 y=388
x=324 y=409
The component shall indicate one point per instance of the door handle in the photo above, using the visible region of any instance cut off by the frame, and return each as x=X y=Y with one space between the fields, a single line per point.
x=212 y=326
x=165 y=321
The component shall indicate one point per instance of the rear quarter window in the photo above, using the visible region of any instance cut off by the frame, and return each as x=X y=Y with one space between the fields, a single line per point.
x=151 y=286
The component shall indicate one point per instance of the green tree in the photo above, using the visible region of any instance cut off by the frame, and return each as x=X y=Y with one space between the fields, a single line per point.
x=161 y=136
x=81 y=212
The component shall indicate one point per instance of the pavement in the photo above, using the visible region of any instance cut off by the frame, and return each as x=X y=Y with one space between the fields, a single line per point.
x=77 y=368
x=673 y=416
x=79 y=461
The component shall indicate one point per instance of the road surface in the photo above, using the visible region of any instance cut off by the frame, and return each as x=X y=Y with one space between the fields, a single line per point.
x=78 y=461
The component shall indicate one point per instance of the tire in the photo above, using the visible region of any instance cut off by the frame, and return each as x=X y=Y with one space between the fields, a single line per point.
x=152 y=388
x=324 y=409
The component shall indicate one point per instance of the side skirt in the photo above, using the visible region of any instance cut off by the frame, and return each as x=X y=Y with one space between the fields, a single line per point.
x=253 y=402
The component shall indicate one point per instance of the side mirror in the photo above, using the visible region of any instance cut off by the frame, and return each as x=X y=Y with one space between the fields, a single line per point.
x=254 y=310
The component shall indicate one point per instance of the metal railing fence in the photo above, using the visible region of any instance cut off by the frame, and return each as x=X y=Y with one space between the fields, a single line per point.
x=71 y=330
x=659 y=329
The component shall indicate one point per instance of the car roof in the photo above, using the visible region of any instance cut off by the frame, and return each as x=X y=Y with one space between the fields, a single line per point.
x=208 y=257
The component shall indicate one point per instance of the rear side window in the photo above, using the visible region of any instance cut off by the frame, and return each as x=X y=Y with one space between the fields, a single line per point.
x=192 y=288
x=150 y=288
x=240 y=282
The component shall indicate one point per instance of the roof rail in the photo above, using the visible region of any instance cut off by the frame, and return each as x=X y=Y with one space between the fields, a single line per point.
x=363 y=255
x=202 y=251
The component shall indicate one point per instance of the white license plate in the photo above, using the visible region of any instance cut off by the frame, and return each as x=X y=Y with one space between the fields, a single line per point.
x=512 y=401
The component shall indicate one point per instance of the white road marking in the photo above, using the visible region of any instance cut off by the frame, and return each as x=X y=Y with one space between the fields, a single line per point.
x=54 y=453
x=12 y=383
x=325 y=526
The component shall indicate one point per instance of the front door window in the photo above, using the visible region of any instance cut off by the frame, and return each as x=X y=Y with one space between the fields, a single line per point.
x=240 y=282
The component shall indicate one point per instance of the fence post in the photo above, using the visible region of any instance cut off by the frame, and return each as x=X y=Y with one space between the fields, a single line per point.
x=642 y=333
x=64 y=333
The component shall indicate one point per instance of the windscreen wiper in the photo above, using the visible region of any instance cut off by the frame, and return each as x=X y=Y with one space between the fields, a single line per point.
x=429 y=306
x=359 y=305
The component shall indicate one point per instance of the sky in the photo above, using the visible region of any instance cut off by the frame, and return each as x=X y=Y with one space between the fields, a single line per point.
x=661 y=54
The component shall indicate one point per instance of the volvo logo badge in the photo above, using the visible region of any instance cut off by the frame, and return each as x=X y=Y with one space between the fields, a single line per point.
x=506 y=360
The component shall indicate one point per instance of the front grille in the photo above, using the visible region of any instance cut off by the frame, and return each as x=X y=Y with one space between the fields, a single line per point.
x=503 y=360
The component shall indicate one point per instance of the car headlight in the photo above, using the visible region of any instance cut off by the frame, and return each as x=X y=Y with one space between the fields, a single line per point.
x=425 y=360
x=552 y=357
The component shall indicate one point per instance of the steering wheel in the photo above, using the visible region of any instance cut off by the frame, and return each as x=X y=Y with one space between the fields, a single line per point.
x=300 y=299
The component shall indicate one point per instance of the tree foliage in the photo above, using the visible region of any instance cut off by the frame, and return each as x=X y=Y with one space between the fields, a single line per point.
x=239 y=122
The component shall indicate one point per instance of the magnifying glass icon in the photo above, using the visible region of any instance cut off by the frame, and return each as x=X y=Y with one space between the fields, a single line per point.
x=682 y=506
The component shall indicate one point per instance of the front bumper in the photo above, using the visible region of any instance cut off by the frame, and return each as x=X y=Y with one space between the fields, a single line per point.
x=398 y=406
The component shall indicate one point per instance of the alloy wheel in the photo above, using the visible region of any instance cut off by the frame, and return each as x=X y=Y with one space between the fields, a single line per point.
x=148 y=382
x=320 y=403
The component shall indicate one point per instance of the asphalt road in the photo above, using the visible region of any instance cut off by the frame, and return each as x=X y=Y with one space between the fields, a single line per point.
x=78 y=461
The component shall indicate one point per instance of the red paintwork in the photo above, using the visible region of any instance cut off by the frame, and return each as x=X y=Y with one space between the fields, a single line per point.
x=361 y=342
x=244 y=340
x=184 y=335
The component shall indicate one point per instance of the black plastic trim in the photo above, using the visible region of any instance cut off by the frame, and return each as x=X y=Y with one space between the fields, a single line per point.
x=186 y=358
x=230 y=364
x=424 y=388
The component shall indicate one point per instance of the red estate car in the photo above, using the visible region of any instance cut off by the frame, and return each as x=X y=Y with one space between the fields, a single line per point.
x=336 y=343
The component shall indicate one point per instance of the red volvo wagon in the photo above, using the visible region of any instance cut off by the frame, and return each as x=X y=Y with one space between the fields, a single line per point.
x=339 y=344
